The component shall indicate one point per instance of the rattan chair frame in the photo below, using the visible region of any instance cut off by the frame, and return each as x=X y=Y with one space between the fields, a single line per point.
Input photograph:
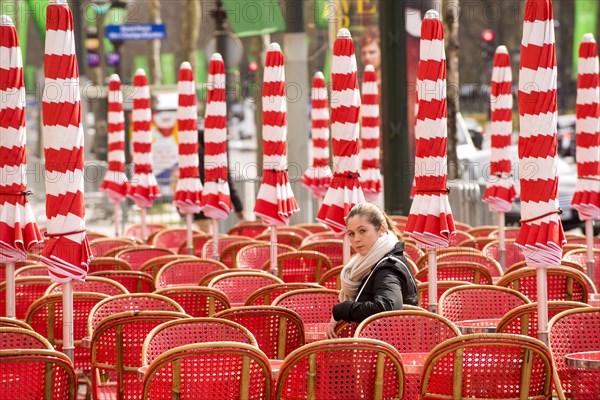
x=241 y=255
x=82 y=286
x=119 y=265
x=15 y=337
x=141 y=279
x=323 y=264
x=265 y=292
x=161 y=280
x=153 y=265
x=214 y=283
x=481 y=274
x=216 y=299
x=330 y=274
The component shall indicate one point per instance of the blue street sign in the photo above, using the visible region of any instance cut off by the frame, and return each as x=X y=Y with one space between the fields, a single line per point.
x=136 y=32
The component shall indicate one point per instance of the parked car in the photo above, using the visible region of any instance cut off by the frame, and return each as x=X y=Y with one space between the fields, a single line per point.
x=476 y=168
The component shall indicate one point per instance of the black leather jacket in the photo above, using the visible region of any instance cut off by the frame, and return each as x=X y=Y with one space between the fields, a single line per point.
x=389 y=286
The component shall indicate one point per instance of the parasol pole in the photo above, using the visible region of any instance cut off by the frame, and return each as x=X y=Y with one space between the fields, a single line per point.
x=117 y=218
x=589 y=238
x=502 y=239
x=190 y=240
x=542 y=303
x=432 y=280
x=273 y=250
x=144 y=228
x=67 y=299
x=346 y=249
x=215 y=232
x=10 y=290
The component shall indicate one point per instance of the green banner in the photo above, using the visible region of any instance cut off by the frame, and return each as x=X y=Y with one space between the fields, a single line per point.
x=323 y=12
x=254 y=18
x=586 y=13
x=37 y=9
x=142 y=62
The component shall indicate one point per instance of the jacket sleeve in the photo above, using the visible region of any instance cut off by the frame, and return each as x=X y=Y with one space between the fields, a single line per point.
x=387 y=297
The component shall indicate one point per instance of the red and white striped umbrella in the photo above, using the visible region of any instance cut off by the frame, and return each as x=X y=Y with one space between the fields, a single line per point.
x=370 y=175
x=430 y=220
x=216 y=200
x=541 y=235
x=115 y=183
x=18 y=229
x=586 y=199
x=189 y=188
x=317 y=178
x=500 y=191
x=345 y=190
x=67 y=252
x=275 y=203
x=144 y=188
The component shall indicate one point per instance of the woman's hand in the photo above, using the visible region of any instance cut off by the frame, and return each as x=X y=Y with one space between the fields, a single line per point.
x=331 y=329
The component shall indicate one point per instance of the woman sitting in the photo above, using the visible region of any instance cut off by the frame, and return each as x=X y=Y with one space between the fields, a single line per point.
x=377 y=278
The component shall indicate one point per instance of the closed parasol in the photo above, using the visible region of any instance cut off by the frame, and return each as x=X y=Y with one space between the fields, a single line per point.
x=541 y=235
x=430 y=221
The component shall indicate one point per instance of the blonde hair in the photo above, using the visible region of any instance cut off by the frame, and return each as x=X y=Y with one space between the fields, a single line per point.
x=374 y=215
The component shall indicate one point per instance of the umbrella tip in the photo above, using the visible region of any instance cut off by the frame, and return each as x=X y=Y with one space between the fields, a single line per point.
x=114 y=78
x=186 y=65
x=5 y=20
x=588 y=38
x=432 y=14
x=216 y=57
x=58 y=2
x=502 y=49
x=319 y=75
x=344 y=33
x=274 y=47
x=140 y=72
x=369 y=68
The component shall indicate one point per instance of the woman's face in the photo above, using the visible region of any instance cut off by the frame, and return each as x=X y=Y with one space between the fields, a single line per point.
x=362 y=234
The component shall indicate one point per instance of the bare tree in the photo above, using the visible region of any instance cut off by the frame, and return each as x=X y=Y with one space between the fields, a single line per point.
x=154 y=50
x=190 y=32
x=451 y=13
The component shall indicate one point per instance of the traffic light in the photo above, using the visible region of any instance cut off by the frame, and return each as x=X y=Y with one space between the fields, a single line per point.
x=488 y=44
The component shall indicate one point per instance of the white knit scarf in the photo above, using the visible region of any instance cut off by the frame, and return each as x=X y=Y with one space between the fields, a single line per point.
x=359 y=267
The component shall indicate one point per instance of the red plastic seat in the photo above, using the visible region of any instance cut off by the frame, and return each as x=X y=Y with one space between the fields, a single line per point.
x=186 y=272
x=255 y=255
x=442 y=287
x=331 y=278
x=153 y=265
x=24 y=374
x=575 y=331
x=300 y=266
x=197 y=301
x=312 y=305
x=133 y=281
x=523 y=319
x=248 y=229
x=181 y=332
x=458 y=271
x=489 y=366
x=45 y=316
x=238 y=286
x=479 y=302
x=265 y=295
x=27 y=290
x=172 y=238
x=92 y=284
x=408 y=332
x=580 y=256
x=116 y=348
x=136 y=257
x=356 y=368
x=229 y=371
x=563 y=283
x=331 y=248
x=278 y=331
x=16 y=337
x=136 y=230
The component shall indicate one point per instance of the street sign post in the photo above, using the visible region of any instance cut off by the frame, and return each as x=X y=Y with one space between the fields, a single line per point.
x=136 y=32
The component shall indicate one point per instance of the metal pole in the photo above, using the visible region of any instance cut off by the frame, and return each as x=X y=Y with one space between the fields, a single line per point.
x=68 y=343
x=10 y=290
x=502 y=240
x=117 y=212
x=542 y=302
x=589 y=238
x=190 y=241
x=432 y=280
x=273 y=250
x=215 y=232
x=346 y=249
x=144 y=230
